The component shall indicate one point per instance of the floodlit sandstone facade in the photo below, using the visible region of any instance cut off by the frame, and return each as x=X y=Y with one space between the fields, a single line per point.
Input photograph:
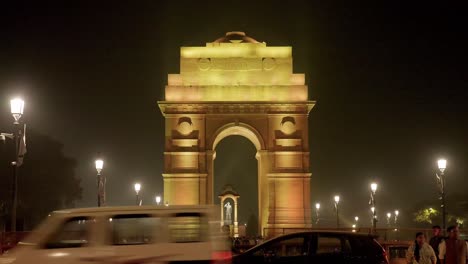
x=239 y=86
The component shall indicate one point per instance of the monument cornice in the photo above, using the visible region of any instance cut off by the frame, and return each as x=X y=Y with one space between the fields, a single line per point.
x=226 y=108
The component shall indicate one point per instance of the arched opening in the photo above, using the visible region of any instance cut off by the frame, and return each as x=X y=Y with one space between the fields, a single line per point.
x=236 y=165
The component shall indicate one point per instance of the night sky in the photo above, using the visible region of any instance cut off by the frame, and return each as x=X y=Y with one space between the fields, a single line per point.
x=390 y=81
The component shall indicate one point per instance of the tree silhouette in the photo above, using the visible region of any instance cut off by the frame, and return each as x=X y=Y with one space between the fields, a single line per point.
x=46 y=180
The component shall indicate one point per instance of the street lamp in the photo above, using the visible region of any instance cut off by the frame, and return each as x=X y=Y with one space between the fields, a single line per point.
x=373 y=187
x=389 y=215
x=442 y=164
x=396 y=217
x=137 y=190
x=356 y=219
x=158 y=199
x=317 y=208
x=101 y=183
x=337 y=201
x=17 y=107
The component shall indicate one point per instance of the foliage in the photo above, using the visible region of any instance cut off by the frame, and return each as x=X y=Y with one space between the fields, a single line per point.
x=426 y=215
x=46 y=180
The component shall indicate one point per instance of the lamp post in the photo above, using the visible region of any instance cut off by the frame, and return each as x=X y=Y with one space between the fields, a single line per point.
x=396 y=217
x=389 y=216
x=17 y=107
x=337 y=201
x=373 y=187
x=158 y=200
x=137 y=191
x=442 y=164
x=101 y=183
x=356 y=219
x=317 y=208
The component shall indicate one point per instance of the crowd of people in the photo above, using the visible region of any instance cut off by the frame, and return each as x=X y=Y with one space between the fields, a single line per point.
x=440 y=250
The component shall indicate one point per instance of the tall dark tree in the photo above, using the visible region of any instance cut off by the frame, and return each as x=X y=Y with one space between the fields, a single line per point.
x=46 y=180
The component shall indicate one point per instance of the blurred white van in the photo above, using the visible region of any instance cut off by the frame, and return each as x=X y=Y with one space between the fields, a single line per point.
x=132 y=234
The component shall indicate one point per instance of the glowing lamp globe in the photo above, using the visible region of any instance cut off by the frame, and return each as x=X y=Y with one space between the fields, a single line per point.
x=442 y=163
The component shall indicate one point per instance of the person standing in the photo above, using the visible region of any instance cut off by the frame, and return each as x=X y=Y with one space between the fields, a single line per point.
x=420 y=252
x=453 y=250
x=435 y=241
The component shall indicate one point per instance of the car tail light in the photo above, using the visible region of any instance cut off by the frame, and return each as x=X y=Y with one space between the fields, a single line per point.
x=221 y=257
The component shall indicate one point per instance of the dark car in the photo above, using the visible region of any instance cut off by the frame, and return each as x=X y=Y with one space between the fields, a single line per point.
x=316 y=247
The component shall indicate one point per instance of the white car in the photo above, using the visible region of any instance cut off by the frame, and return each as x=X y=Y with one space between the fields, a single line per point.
x=132 y=234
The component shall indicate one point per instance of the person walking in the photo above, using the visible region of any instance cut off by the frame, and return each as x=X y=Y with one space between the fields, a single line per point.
x=435 y=241
x=420 y=252
x=453 y=250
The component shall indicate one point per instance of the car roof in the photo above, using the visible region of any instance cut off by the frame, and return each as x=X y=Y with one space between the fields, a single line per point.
x=134 y=208
x=313 y=232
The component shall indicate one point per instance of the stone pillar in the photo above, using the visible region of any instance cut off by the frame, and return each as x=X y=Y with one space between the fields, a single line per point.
x=236 y=223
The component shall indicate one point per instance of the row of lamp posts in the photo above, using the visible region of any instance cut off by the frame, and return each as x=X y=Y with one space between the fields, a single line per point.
x=17 y=108
x=442 y=165
x=101 y=185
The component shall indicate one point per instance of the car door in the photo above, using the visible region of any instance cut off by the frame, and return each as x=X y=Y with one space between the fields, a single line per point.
x=283 y=250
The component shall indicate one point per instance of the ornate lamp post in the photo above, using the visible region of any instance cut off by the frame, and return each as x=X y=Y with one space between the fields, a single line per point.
x=17 y=107
x=158 y=200
x=137 y=191
x=337 y=201
x=389 y=216
x=442 y=164
x=101 y=183
x=356 y=220
x=317 y=208
x=373 y=187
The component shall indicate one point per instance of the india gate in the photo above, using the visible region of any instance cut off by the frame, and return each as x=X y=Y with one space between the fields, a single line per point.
x=236 y=85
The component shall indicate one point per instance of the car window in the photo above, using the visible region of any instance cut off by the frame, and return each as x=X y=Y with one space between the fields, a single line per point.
x=365 y=245
x=133 y=229
x=289 y=247
x=328 y=244
x=188 y=227
x=72 y=233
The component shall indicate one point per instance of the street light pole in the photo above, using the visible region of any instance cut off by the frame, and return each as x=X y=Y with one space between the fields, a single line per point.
x=337 y=201
x=137 y=190
x=17 y=107
x=442 y=164
x=101 y=183
x=374 y=211
x=317 y=208
x=396 y=218
x=158 y=200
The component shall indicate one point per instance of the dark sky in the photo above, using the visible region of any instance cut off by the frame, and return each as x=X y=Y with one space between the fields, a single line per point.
x=390 y=81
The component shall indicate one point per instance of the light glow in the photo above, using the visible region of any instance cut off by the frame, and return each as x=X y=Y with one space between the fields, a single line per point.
x=397 y=212
x=337 y=199
x=99 y=164
x=137 y=187
x=17 y=107
x=158 y=199
x=442 y=163
x=373 y=187
x=317 y=206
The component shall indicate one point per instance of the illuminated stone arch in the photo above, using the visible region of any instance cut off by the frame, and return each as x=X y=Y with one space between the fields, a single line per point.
x=239 y=86
x=241 y=129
